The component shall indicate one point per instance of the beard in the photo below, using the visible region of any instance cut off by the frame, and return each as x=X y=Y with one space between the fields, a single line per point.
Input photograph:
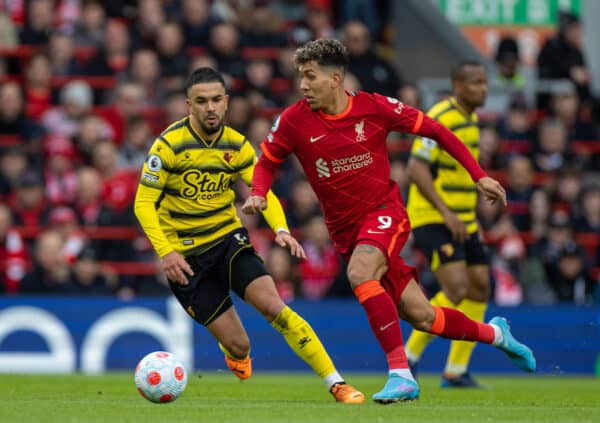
x=211 y=129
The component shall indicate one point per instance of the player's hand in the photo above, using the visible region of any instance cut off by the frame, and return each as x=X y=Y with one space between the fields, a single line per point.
x=176 y=268
x=456 y=226
x=254 y=204
x=491 y=190
x=286 y=240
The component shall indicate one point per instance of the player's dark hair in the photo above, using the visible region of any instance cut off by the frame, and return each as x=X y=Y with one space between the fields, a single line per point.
x=325 y=51
x=203 y=75
x=459 y=72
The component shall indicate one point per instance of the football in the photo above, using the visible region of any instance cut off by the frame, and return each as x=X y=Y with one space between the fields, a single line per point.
x=160 y=377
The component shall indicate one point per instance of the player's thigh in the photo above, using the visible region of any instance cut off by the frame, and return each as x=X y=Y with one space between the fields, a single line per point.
x=414 y=306
x=478 y=259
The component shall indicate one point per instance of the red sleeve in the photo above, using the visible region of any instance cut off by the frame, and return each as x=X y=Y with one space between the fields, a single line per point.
x=402 y=118
x=262 y=179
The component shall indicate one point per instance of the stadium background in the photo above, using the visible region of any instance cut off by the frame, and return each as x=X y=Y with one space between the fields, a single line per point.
x=86 y=85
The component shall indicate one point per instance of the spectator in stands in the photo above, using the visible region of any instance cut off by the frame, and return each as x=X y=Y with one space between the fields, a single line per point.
x=240 y=113
x=63 y=220
x=571 y=278
x=38 y=27
x=76 y=101
x=86 y=275
x=28 y=203
x=92 y=130
x=258 y=77
x=374 y=73
x=13 y=121
x=176 y=107
x=50 y=274
x=562 y=56
x=150 y=18
x=489 y=157
x=516 y=125
x=565 y=106
x=91 y=28
x=13 y=254
x=588 y=219
x=539 y=213
x=134 y=150
x=59 y=173
x=88 y=202
x=302 y=205
x=61 y=51
x=279 y=265
x=507 y=76
x=321 y=266
x=113 y=56
x=224 y=46
x=262 y=26
x=399 y=174
x=127 y=103
x=169 y=45
x=409 y=95
x=365 y=11
x=196 y=22
x=8 y=33
x=519 y=190
x=13 y=163
x=258 y=131
x=144 y=70
x=38 y=86
x=551 y=151
x=319 y=19
x=567 y=190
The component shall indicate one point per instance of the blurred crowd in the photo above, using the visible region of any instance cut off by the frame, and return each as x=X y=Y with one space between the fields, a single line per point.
x=85 y=86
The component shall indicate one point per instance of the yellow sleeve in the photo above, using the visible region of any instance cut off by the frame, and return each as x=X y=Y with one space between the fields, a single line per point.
x=273 y=214
x=152 y=182
x=425 y=149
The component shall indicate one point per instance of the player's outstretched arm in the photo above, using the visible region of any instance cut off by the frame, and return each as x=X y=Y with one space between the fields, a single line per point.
x=254 y=204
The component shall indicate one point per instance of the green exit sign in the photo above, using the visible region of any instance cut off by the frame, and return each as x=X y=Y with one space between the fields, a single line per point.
x=506 y=12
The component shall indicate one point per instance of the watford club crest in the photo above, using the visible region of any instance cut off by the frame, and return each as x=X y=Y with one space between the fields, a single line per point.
x=227 y=156
x=447 y=249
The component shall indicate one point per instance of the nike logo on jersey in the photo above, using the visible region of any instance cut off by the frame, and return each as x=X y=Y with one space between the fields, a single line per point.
x=315 y=139
x=375 y=232
x=382 y=328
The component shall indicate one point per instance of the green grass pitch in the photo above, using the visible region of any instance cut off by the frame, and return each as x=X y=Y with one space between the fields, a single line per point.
x=280 y=397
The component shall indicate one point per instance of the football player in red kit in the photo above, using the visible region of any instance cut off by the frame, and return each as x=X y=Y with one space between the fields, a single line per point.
x=340 y=139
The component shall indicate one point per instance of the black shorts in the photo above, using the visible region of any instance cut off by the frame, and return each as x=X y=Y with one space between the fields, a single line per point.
x=230 y=265
x=436 y=242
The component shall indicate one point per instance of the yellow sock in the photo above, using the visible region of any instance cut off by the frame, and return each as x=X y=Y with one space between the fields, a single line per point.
x=419 y=340
x=460 y=351
x=303 y=340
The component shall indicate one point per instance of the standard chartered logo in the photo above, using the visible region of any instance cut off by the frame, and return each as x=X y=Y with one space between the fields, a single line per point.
x=344 y=164
x=322 y=168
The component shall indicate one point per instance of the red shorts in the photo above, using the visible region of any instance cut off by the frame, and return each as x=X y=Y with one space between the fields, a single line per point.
x=387 y=228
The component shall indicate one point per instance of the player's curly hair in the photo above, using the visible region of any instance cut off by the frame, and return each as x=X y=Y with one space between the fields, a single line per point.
x=325 y=51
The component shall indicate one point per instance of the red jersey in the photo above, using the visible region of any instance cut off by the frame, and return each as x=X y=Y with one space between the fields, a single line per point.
x=345 y=156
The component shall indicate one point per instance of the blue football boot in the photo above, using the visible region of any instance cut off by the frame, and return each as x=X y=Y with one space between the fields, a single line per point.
x=397 y=389
x=520 y=354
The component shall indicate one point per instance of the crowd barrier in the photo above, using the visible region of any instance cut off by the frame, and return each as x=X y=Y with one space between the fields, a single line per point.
x=94 y=335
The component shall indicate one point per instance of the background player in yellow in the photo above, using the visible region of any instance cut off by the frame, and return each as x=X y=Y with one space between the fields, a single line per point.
x=441 y=205
x=185 y=204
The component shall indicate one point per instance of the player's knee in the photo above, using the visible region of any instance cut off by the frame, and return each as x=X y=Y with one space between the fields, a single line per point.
x=358 y=274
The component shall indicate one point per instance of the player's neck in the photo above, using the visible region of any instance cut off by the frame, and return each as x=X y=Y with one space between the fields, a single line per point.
x=464 y=107
x=339 y=103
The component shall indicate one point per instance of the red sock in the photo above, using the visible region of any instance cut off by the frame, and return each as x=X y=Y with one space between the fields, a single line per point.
x=453 y=324
x=383 y=318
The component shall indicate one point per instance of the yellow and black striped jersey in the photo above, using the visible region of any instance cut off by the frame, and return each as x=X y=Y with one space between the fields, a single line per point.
x=185 y=197
x=452 y=182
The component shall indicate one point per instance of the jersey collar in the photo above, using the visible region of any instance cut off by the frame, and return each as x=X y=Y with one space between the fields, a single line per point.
x=460 y=109
x=343 y=113
x=199 y=138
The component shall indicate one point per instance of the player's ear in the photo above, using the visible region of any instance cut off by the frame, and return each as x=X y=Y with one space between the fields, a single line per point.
x=337 y=79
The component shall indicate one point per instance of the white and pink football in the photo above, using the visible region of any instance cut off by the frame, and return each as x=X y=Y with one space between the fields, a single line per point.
x=160 y=377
